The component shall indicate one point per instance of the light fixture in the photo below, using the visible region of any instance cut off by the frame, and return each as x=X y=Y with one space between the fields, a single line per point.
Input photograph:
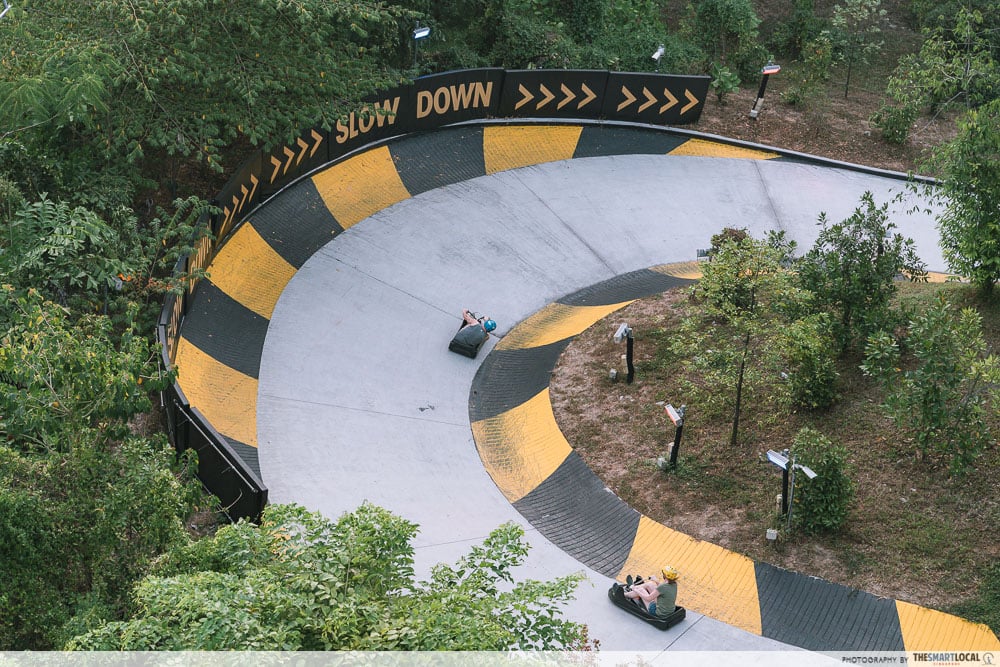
x=420 y=33
x=6 y=8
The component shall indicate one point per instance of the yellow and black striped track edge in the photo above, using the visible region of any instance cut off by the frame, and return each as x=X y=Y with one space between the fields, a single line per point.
x=537 y=470
x=222 y=336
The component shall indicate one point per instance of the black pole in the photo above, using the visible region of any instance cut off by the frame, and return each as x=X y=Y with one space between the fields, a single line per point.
x=628 y=359
x=759 y=102
x=784 y=490
x=677 y=439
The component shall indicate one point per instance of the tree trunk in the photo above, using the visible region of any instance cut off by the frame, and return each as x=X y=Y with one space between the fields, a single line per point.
x=739 y=392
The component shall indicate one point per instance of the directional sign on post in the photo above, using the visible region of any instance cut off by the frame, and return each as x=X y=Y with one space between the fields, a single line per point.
x=661 y=99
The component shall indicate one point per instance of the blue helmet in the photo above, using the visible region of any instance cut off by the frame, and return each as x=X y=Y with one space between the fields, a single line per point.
x=489 y=325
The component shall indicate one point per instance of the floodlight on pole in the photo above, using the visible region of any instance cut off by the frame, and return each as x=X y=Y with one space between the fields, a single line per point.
x=766 y=72
x=6 y=8
x=625 y=333
x=420 y=33
x=658 y=54
x=788 y=467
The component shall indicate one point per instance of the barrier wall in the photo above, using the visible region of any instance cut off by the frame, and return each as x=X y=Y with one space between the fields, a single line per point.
x=428 y=103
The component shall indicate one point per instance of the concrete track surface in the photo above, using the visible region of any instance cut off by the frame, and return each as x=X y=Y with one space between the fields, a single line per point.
x=358 y=275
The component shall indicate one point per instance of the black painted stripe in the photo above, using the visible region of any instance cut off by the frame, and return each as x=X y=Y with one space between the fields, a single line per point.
x=822 y=616
x=508 y=378
x=603 y=140
x=429 y=161
x=297 y=223
x=247 y=453
x=635 y=285
x=224 y=329
x=578 y=513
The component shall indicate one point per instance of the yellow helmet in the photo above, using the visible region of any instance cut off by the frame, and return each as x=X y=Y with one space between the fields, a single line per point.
x=669 y=573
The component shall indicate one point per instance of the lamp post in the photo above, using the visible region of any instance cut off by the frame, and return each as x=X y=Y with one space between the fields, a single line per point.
x=788 y=467
x=657 y=54
x=765 y=72
x=677 y=417
x=419 y=33
x=625 y=332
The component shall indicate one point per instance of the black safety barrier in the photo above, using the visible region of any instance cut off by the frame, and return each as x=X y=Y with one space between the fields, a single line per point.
x=427 y=103
x=221 y=470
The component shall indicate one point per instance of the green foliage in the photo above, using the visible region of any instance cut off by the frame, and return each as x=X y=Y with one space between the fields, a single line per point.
x=797 y=30
x=943 y=402
x=857 y=25
x=818 y=57
x=58 y=376
x=852 y=267
x=953 y=67
x=970 y=195
x=733 y=339
x=77 y=530
x=723 y=81
x=821 y=505
x=60 y=250
x=812 y=374
x=727 y=31
x=303 y=582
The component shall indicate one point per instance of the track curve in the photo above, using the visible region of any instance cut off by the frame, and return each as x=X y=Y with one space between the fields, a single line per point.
x=349 y=285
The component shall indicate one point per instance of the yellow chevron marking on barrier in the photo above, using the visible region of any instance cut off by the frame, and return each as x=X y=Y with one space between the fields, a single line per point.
x=714 y=581
x=226 y=397
x=688 y=270
x=361 y=186
x=704 y=148
x=249 y=270
x=937 y=277
x=554 y=323
x=520 y=448
x=926 y=629
x=510 y=147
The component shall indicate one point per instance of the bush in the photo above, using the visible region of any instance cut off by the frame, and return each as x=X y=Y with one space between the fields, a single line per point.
x=812 y=372
x=822 y=504
x=724 y=81
x=895 y=121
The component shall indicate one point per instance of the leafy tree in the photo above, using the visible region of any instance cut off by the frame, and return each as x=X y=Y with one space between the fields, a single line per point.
x=812 y=374
x=857 y=23
x=58 y=376
x=821 y=505
x=945 y=400
x=727 y=31
x=733 y=336
x=953 y=67
x=191 y=78
x=852 y=266
x=303 y=582
x=970 y=195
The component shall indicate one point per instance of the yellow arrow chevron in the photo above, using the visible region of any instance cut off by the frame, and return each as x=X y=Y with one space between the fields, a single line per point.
x=302 y=150
x=524 y=100
x=591 y=96
x=317 y=139
x=629 y=98
x=570 y=96
x=548 y=97
x=289 y=154
x=650 y=100
x=277 y=165
x=671 y=100
x=692 y=102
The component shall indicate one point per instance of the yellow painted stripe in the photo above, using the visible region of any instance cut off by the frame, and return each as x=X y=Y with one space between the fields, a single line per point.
x=509 y=147
x=930 y=630
x=689 y=270
x=554 y=323
x=249 y=270
x=365 y=184
x=936 y=277
x=226 y=397
x=520 y=448
x=714 y=581
x=704 y=148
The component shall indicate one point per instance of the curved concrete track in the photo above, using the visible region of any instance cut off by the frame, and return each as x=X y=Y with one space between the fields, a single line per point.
x=358 y=275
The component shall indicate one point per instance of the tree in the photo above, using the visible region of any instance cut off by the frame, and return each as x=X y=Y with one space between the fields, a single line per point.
x=857 y=22
x=970 y=195
x=954 y=67
x=733 y=336
x=852 y=267
x=303 y=582
x=821 y=505
x=727 y=32
x=944 y=401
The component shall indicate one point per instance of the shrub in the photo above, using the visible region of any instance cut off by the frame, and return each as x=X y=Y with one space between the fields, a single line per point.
x=724 y=81
x=812 y=374
x=821 y=504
